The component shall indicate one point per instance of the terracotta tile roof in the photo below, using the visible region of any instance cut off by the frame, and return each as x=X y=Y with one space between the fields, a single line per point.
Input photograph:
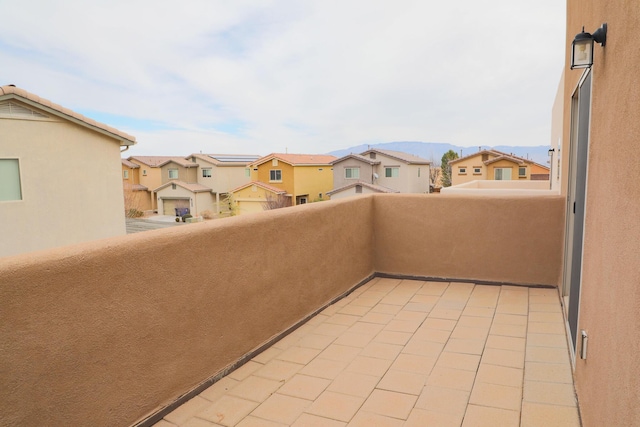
x=138 y=187
x=193 y=187
x=10 y=91
x=376 y=188
x=158 y=161
x=405 y=157
x=298 y=159
x=129 y=164
x=357 y=157
x=496 y=153
x=514 y=159
x=261 y=185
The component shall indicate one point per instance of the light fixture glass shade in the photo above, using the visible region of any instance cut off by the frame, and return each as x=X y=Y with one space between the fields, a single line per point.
x=582 y=51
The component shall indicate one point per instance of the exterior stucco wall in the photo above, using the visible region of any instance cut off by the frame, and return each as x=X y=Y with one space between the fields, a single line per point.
x=71 y=181
x=264 y=171
x=339 y=179
x=608 y=381
x=313 y=181
x=86 y=342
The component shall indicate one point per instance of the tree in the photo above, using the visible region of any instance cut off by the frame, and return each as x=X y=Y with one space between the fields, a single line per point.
x=446 y=169
x=434 y=174
x=276 y=201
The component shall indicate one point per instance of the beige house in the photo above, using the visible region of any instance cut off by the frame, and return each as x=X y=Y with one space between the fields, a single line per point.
x=136 y=195
x=60 y=175
x=383 y=170
x=356 y=188
x=150 y=173
x=495 y=165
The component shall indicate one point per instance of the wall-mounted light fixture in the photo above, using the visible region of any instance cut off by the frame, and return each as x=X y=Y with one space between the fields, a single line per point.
x=582 y=47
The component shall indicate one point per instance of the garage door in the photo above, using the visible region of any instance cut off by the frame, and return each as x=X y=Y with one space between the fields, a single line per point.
x=169 y=205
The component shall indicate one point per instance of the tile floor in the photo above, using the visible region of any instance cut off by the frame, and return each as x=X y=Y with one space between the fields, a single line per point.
x=406 y=353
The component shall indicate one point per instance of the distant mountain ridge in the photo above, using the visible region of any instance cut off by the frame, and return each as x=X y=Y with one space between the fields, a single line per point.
x=434 y=150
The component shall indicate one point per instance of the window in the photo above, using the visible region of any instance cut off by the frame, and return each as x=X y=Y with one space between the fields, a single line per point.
x=320 y=169
x=206 y=173
x=303 y=200
x=502 y=174
x=173 y=173
x=352 y=173
x=319 y=195
x=392 y=172
x=477 y=171
x=275 y=175
x=247 y=172
x=10 y=179
x=125 y=174
x=462 y=171
x=144 y=172
x=372 y=155
x=173 y=186
x=358 y=188
x=522 y=172
x=418 y=172
x=485 y=157
x=274 y=162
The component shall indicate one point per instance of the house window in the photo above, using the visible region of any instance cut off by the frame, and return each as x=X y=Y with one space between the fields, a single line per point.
x=247 y=172
x=358 y=188
x=274 y=162
x=125 y=174
x=320 y=169
x=173 y=186
x=462 y=171
x=10 y=179
x=206 y=173
x=391 y=172
x=173 y=173
x=372 y=155
x=477 y=171
x=303 y=200
x=418 y=172
x=319 y=195
x=522 y=172
x=144 y=172
x=352 y=173
x=485 y=157
x=275 y=175
x=502 y=174
x=193 y=159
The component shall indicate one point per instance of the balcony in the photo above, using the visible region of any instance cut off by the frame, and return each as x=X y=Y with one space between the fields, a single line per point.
x=122 y=331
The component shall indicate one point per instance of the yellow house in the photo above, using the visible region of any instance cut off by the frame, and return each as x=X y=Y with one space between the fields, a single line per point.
x=304 y=177
x=496 y=165
x=150 y=173
x=256 y=197
x=136 y=195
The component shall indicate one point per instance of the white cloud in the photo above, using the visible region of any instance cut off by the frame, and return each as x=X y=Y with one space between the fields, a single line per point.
x=259 y=76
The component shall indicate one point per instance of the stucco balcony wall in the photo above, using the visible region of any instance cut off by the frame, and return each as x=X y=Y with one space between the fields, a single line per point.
x=108 y=332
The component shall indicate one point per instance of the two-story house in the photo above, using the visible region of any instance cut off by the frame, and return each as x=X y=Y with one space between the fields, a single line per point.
x=150 y=174
x=60 y=177
x=379 y=171
x=495 y=165
x=136 y=195
x=304 y=177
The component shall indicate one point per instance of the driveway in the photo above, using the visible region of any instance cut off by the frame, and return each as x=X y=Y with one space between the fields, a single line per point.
x=136 y=225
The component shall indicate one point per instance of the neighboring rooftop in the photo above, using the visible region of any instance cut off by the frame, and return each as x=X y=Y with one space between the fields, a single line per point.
x=405 y=157
x=297 y=159
x=158 y=161
x=376 y=188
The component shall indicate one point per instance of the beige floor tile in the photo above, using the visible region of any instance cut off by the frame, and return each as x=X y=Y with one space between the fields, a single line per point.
x=441 y=324
x=377 y=318
x=353 y=339
x=381 y=350
x=546 y=340
x=510 y=319
x=445 y=313
x=506 y=330
x=281 y=409
x=501 y=375
x=337 y=406
x=544 y=292
x=370 y=329
x=466 y=362
x=466 y=346
x=410 y=315
x=464 y=332
x=475 y=322
x=304 y=387
x=547 y=355
x=537 y=299
x=318 y=342
x=546 y=328
x=496 y=396
x=266 y=356
x=441 y=399
x=535 y=414
x=247 y=369
x=425 y=299
x=252 y=421
x=309 y=420
x=540 y=316
x=482 y=416
x=422 y=418
x=369 y=365
x=323 y=368
x=301 y=355
x=368 y=299
x=549 y=393
x=341 y=353
x=395 y=299
x=342 y=319
x=516 y=308
x=506 y=343
x=317 y=319
x=403 y=325
x=218 y=389
x=451 y=378
x=385 y=309
x=435 y=335
x=278 y=370
x=423 y=348
x=548 y=308
x=228 y=410
x=354 y=384
x=187 y=410
x=355 y=310
x=433 y=288
x=548 y=372
x=198 y=422
x=414 y=363
x=402 y=382
x=329 y=329
x=390 y=337
x=390 y=404
x=418 y=307
x=255 y=388
x=512 y=359
x=369 y=419
x=484 y=312
x=165 y=423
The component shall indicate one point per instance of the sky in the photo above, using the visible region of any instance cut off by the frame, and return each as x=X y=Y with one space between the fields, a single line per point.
x=297 y=76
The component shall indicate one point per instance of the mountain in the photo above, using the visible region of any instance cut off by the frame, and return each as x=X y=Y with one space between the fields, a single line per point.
x=434 y=150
